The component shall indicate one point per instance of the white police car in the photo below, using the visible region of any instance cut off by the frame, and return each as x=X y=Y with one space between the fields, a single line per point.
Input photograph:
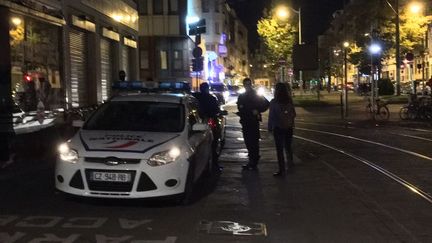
x=137 y=146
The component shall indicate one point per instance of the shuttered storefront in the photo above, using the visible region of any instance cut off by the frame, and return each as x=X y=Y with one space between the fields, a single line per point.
x=106 y=69
x=78 y=56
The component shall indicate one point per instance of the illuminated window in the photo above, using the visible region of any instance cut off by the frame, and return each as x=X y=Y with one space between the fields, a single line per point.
x=178 y=60
x=164 y=60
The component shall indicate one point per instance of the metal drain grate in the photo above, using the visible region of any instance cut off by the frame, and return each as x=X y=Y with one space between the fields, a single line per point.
x=232 y=228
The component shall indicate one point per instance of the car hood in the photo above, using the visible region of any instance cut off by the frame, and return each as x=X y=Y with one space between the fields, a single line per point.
x=123 y=141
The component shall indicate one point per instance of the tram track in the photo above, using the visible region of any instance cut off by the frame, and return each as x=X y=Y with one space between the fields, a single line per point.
x=422 y=156
x=411 y=187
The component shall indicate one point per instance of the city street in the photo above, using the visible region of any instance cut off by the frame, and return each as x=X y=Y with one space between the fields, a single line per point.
x=353 y=181
x=110 y=125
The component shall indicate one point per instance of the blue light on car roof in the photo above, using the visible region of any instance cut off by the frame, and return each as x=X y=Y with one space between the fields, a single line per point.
x=177 y=86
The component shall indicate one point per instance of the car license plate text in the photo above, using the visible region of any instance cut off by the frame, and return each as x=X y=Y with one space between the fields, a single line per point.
x=110 y=176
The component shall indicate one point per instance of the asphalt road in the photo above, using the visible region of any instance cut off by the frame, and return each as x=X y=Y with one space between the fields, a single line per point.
x=353 y=181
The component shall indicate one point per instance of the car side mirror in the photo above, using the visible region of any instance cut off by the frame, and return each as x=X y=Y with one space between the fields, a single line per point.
x=77 y=123
x=200 y=127
x=224 y=112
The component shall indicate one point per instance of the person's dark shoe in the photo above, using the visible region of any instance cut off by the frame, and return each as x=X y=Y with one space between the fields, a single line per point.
x=279 y=174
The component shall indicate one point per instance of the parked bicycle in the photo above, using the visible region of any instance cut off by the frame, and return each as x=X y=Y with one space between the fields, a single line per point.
x=379 y=111
x=417 y=109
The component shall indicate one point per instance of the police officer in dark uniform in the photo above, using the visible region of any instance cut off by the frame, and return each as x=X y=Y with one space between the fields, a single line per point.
x=209 y=108
x=208 y=103
x=250 y=105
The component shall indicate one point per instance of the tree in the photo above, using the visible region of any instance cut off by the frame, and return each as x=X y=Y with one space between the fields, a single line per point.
x=413 y=29
x=278 y=37
x=365 y=21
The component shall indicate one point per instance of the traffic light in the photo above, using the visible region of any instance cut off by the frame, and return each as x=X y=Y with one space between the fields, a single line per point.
x=197 y=64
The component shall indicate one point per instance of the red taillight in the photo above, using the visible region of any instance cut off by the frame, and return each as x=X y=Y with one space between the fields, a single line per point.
x=212 y=123
x=27 y=78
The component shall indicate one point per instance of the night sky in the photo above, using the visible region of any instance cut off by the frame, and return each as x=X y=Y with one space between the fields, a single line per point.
x=316 y=15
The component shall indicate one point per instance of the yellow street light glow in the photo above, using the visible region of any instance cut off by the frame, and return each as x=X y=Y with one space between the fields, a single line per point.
x=16 y=21
x=415 y=7
x=282 y=12
x=346 y=44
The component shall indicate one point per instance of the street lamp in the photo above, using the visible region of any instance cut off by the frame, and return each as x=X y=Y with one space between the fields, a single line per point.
x=415 y=7
x=374 y=49
x=282 y=12
x=346 y=45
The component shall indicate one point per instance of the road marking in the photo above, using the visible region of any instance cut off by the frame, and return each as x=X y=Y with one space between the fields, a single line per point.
x=327 y=125
x=415 y=137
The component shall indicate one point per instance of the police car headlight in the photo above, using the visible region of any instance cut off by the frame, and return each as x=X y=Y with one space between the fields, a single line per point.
x=165 y=157
x=67 y=154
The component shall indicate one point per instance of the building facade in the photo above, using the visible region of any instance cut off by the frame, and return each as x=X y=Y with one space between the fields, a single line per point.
x=67 y=53
x=165 y=49
x=226 y=44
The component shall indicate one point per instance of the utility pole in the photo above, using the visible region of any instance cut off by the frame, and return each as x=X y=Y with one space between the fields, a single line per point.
x=346 y=82
x=398 y=63
x=300 y=42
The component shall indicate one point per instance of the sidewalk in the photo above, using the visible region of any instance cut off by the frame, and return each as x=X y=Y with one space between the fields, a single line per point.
x=357 y=114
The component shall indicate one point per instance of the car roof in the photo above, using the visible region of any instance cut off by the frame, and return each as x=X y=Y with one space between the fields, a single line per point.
x=152 y=97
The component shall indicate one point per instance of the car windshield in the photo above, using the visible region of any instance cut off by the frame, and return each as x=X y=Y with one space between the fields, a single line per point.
x=138 y=116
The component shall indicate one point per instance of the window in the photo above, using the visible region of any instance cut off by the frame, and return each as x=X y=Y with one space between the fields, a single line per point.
x=205 y=6
x=217 y=6
x=144 y=60
x=138 y=116
x=143 y=7
x=157 y=7
x=178 y=60
x=173 y=6
x=217 y=29
x=163 y=60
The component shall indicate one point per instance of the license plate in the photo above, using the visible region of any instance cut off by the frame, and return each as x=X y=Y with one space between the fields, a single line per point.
x=110 y=176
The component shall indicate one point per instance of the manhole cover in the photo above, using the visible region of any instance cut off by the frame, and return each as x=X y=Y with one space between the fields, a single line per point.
x=233 y=228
